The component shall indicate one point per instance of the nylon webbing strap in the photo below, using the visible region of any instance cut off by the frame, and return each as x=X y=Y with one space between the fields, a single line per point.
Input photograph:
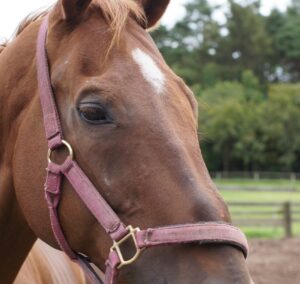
x=50 y=114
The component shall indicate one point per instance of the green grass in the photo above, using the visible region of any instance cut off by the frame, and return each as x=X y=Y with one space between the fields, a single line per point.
x=269 y=233
x=264 y=233
x=256 y=196
x=260 y=196
x=277 y=183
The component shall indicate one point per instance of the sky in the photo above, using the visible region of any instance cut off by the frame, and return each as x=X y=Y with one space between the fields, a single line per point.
x=13 y=11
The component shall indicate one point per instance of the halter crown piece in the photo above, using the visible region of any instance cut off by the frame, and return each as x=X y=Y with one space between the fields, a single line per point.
x=201 y=233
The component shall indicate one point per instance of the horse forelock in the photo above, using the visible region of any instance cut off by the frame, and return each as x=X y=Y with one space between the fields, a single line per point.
x=116 y=13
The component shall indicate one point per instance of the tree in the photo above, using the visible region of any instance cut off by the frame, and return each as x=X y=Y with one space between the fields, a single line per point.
x=288 y=44
x=281 y=127
x=230 y=124
x=190 y=44
x=284 y=29
x=248 y=43
x=250 y=133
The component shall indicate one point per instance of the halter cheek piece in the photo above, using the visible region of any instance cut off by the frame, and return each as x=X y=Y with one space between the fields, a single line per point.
x=201 y=233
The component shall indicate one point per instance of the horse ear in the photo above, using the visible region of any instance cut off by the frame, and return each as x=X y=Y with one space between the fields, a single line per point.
x=72 y=9
x=154 y=9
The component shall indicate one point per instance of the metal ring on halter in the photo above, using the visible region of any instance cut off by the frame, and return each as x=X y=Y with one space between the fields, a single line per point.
x=67 y=145
x=116 y=247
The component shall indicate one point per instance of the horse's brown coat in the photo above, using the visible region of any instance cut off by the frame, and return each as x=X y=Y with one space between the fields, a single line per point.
x=146 y=163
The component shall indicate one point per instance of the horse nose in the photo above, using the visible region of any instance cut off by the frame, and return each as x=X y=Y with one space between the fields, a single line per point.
x=190 y=264
x=219 y=264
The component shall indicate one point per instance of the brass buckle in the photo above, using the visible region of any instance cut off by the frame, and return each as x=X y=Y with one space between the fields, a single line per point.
x=67 y=145
x=116 y=247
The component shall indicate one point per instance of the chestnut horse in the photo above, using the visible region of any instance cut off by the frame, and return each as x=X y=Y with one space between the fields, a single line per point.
x=133 y=126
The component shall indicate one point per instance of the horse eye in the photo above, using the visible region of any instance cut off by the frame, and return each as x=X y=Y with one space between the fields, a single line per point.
x=94 y=113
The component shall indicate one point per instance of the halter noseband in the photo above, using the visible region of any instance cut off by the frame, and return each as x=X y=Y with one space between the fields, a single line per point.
x=201 y=233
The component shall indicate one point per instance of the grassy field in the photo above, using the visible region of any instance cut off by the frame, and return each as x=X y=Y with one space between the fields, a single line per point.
x=277 y=183
x=262 y=195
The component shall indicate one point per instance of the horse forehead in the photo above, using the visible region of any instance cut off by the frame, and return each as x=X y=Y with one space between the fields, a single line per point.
x=149 y=69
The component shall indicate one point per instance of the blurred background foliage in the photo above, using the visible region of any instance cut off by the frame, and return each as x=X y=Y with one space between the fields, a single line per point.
x=244 y=73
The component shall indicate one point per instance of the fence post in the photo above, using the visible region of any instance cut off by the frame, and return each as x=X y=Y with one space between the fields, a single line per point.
x=287 y=219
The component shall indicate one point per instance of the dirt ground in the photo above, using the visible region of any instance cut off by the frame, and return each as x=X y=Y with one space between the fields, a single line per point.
x=275 y=261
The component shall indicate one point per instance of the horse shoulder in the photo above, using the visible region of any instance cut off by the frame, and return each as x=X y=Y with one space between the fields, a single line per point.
x=45 y=265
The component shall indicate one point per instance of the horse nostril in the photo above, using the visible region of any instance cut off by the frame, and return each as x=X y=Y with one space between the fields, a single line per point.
x=209 y=207
x=203 y=210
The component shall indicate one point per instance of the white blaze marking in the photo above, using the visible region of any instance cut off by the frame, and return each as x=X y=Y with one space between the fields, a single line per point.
x=150 y=70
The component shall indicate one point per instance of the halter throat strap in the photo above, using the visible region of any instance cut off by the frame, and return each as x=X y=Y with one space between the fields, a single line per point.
x=201 y=233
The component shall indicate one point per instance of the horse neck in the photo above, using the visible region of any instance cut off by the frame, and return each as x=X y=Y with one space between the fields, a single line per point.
x=17 y=89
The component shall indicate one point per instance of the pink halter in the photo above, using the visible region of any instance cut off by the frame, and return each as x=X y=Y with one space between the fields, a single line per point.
x=201 y=233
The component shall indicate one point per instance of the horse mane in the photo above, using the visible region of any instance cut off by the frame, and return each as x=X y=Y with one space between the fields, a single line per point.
x=115 y=13
x=2 y=46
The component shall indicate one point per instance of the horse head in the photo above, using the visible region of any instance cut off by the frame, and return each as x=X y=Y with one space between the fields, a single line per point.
x=132 y=124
